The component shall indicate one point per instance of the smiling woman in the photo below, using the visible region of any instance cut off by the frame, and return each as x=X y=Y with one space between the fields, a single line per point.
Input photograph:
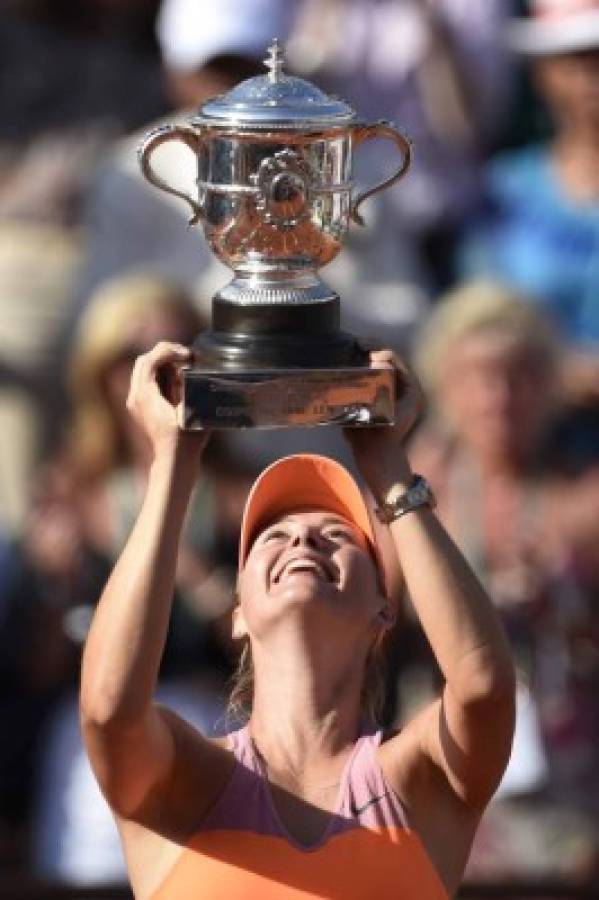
x=312 y=544
x=308 y=798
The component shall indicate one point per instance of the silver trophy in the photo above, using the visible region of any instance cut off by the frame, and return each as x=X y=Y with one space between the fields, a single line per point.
x=275 y=198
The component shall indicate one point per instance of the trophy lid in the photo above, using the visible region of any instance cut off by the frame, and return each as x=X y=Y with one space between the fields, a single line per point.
x=275 y=100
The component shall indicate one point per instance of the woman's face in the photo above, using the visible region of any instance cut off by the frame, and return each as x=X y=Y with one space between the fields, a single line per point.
x=316 y=565
x=495 y=390
x=570 y=85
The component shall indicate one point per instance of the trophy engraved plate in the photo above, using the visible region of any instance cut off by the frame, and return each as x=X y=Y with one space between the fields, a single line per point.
x=347 y=397
x=275 y=199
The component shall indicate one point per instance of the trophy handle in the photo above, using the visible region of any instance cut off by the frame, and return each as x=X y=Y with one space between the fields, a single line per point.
x=380 y=130
x=154 y=139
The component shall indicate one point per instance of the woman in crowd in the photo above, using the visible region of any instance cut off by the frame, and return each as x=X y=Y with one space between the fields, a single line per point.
x=488 y=361
x=111 y=455
x=307 y=796
x=538 y=228
x=491 y=366
x=81 y=509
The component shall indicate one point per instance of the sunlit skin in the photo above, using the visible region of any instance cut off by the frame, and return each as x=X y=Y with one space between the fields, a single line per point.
x=311 y=605
x=307 y=557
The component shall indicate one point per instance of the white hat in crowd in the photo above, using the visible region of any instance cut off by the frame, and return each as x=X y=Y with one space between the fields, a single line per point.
x=192 y=32
x=555 y=27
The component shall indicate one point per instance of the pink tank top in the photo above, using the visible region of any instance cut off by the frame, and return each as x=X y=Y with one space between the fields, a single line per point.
x=243 y=849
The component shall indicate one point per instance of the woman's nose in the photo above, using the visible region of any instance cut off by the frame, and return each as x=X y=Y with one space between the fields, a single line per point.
x=304 y=534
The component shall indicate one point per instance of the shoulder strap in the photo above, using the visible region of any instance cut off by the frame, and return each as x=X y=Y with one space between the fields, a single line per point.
x=240 y=743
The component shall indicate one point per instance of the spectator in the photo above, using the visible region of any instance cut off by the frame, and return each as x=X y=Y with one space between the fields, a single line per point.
x=41 y=250
x=490 y=364
x=51 y=584
x=104 y=446
x=440 y=70
x=84 y=502
x=540 y=228
x=79 y=75
x=205 y=50
x=77 y=65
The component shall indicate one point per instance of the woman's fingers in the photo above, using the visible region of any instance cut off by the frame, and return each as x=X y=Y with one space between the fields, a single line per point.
x=406 y=381
x=154 y=399
x=384 y=357
x=147 y=367
x=410 y=399
x=388 y=359
x=165 y=352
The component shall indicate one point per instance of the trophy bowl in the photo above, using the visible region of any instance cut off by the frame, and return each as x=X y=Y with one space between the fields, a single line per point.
x=275 y=198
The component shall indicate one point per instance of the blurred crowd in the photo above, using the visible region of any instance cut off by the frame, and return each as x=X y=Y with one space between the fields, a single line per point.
x=481 y=267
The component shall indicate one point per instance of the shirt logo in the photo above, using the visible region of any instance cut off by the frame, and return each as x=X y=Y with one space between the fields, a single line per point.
x=358 y=810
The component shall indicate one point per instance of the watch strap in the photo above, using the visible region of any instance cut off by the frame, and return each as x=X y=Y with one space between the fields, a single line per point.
x=398 y=502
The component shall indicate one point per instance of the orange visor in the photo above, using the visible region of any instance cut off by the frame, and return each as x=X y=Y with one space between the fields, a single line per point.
x=304 y=481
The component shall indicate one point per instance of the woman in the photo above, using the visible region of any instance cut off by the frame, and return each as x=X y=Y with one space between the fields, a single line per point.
x=490 y=366
x=111 y=455
x=537 y=228
x=305 y=800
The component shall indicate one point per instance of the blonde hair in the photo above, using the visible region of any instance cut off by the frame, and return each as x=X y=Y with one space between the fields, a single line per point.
x=475 y=306
x=102 y=335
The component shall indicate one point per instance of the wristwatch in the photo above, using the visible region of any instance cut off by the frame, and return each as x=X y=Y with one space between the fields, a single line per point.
x=397 y=502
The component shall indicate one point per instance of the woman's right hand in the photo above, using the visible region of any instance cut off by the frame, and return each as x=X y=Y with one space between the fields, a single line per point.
x=154 y=398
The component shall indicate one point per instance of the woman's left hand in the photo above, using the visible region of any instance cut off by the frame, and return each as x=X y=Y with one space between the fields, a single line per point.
x=379 y=450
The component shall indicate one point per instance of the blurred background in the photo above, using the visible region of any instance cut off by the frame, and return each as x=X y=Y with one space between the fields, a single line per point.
x=481 y=267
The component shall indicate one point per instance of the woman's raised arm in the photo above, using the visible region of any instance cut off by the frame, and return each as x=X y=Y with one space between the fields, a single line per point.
x=467 y=733
x=129 y=740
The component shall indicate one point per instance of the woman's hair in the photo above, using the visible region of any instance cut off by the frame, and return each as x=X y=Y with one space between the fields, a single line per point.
x=239 y=705
x=103 y=337
x=475 y=306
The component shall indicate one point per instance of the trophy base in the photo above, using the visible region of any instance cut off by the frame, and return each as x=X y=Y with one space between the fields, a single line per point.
x=257 y=338
x=287 y=398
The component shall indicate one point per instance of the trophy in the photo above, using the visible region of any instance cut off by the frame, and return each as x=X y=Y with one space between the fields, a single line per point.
x=275 y=198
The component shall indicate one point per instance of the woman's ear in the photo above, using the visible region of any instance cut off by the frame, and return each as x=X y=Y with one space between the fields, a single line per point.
x=239 y=628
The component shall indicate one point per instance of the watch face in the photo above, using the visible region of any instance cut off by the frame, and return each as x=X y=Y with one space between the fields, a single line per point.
x=420 y=493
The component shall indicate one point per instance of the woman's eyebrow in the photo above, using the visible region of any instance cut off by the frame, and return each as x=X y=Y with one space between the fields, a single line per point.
x=330 y=520
x=338 y=520
x=291 y=518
